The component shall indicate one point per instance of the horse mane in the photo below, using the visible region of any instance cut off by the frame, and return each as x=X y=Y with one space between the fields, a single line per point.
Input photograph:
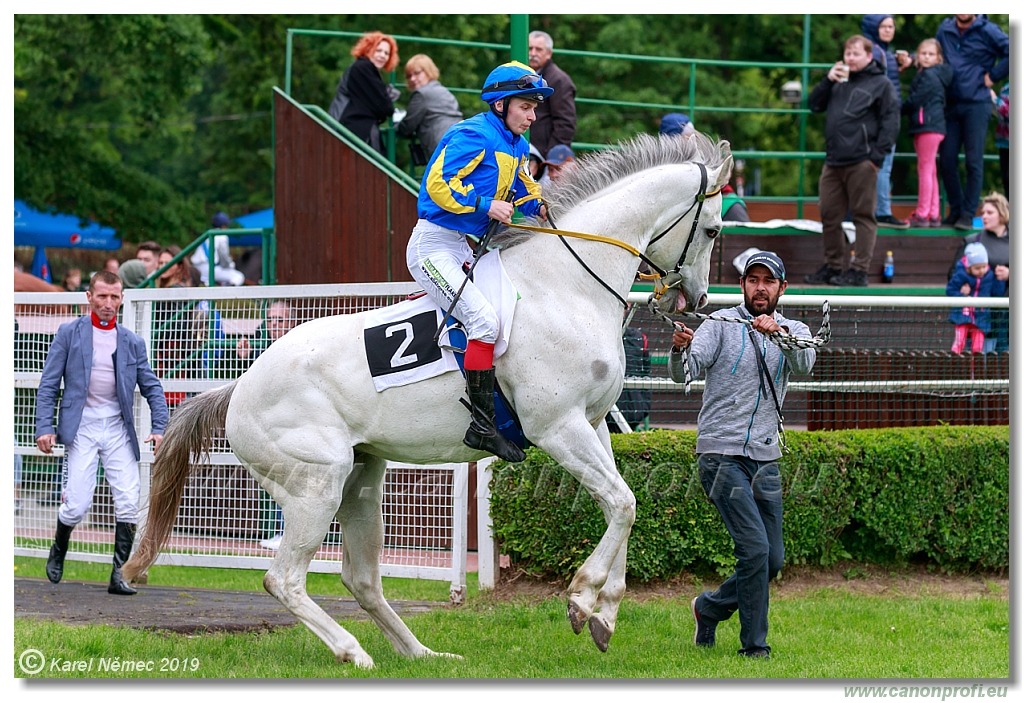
x=598 y=170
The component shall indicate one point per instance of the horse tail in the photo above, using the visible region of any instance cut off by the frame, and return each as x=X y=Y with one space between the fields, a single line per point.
x=189 y=434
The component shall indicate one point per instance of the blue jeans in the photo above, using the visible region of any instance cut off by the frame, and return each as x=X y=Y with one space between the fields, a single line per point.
x=883 y=203
x=748 y=495
x=966 y=127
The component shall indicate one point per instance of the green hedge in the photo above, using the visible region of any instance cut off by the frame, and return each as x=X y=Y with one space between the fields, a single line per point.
x=890 y=496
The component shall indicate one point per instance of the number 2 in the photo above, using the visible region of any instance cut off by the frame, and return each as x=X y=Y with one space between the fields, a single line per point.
x=397 y=359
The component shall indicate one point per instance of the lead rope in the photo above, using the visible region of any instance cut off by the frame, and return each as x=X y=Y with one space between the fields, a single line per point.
x=779 y=338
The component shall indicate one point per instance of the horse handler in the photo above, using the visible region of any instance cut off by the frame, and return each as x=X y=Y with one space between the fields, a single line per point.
x=100 y=364
x=738 y=442
x=478 y=164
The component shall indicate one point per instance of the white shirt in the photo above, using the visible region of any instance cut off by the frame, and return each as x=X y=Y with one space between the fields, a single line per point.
x=101 y=402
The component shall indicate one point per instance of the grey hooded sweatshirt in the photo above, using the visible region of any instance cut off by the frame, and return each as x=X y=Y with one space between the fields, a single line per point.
x=735 y=418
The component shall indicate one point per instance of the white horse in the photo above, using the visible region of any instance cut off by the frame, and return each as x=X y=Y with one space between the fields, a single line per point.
x=310 y=426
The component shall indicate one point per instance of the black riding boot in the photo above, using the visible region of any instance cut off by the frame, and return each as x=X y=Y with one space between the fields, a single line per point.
x=482 y=434
x=124 y=537
x=59 y=550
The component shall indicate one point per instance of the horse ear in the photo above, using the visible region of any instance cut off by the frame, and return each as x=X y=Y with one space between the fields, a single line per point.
x=724 y=173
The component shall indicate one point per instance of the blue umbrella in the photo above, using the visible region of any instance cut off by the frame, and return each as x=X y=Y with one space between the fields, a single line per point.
x=261 y=219
x=33 y=228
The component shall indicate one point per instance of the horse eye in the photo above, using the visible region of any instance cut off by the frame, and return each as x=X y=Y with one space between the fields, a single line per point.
x=713 y=232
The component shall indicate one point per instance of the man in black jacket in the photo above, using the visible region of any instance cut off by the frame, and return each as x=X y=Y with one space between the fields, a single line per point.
x=556 y=116
x=862 y=119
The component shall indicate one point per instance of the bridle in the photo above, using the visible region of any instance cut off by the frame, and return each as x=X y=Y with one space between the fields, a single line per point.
x=664 y=281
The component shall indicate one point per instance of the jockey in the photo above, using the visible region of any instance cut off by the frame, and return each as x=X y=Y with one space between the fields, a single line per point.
x=479 y=172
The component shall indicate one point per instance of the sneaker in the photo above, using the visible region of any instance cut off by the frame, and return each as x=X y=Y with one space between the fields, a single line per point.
x=935 y=223
x=273 y=544
x=850 y=277
x=919 y=222
x=704 y=632
x=950 y=219
x=756 y=653
x=822 y=275
x=890 y=222
x=965 y=223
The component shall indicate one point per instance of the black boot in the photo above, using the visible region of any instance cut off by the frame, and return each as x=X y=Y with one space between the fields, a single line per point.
x=59 y=550
x=124 y=537
x=482 y=434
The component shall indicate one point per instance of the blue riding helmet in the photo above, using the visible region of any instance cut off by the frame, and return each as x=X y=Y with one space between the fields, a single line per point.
x=514 y=79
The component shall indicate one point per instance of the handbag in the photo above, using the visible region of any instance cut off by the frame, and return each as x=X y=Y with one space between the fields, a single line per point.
x=416 y=154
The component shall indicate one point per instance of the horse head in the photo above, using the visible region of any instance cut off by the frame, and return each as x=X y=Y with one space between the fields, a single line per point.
x=682 y=246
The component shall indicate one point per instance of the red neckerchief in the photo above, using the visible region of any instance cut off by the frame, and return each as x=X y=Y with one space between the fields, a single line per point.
x=100 y=324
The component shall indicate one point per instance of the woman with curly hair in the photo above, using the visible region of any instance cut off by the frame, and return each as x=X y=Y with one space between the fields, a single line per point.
x=363 y=100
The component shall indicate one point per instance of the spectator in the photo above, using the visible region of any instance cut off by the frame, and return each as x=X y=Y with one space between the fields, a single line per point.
x=148 y=253
x=861 y=122
x=132 y=273
x=111 y=264
x=17 y=482
x=926 y=110
x=73 y=280
x=556 y=117
x=537 y=169
x=560 y=160
x=881 y=29
x=224 y=271
x=972 y=277
x=173 y=344
x=733 y=207
x=278 y=322
x=979 y=53
x=97 y=419
x=995 y=218
x=634 y=403
x=432 y=108
x=177 y=276
x=738 y=442
x=1001 y=107
x=479 y=162
x=363 y=100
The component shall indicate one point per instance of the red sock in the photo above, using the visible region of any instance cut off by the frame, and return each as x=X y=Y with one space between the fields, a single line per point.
x=479 y=355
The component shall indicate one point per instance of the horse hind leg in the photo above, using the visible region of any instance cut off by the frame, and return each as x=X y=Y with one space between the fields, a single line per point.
x=307 y=517
x=362 y=529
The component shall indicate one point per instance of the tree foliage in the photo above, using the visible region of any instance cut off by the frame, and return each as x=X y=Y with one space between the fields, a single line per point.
x=150 y=123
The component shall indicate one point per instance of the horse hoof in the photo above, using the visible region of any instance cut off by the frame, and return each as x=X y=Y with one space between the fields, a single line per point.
x=577 y=618
x=600 y=633
x=359 y=659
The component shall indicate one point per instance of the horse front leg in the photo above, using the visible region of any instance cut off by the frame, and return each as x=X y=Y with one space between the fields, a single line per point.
x=576 y=446
x=602 y=621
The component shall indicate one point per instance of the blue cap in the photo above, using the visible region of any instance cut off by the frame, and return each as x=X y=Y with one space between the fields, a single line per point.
x=221 y=219
x=676 y=123
x=559 y=154
x=770 y=260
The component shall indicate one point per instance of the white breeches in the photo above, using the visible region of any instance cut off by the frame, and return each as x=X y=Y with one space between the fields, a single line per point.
x=106 y=439
x=435 y=257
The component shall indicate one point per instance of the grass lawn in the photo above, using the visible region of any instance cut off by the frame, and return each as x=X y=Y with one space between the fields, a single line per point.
x=856 y=630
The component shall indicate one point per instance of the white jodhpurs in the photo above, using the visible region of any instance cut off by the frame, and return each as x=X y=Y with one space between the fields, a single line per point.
x=107 y=440
x=435 y=257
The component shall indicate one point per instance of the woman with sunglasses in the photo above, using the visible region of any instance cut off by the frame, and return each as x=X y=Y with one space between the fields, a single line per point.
x=478 y=174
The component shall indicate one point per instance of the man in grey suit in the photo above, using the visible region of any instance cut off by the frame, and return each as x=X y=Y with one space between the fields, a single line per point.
x=100 y=364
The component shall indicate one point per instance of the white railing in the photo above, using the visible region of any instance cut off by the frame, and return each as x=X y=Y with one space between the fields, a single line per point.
x=191 y=336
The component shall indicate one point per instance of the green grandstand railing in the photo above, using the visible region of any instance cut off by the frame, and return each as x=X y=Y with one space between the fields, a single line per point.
x=516 y=48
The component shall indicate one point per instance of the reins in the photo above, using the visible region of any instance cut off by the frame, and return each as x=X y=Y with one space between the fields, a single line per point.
x=673 y=277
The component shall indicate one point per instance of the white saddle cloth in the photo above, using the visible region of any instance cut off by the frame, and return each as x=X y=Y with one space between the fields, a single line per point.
x=400 y=347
